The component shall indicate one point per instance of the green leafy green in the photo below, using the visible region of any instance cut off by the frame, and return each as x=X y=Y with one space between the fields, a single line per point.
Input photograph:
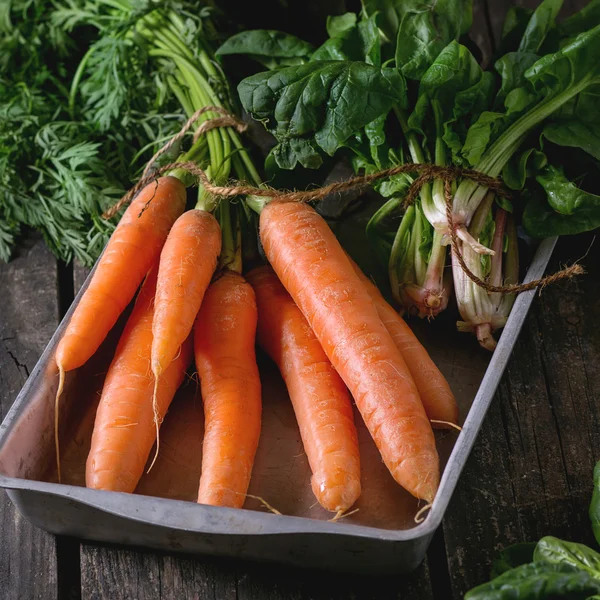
x=521 y=166
x=542 y=20
x=270 y=48
x=565 y=210
x=426 y=27
x=575 y=134
x=319 y=105
x=511 y=557
x=339 y=24
x=537 y=581
x=553 y=550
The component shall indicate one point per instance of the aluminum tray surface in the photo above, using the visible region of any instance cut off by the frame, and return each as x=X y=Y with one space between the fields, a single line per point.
x=380 y=536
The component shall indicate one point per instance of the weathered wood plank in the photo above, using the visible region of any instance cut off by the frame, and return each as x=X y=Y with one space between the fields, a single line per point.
x=530 y=473
x=116 y=574
x=29 y=316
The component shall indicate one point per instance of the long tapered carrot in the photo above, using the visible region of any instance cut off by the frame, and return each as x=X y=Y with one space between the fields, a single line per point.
x=187 y=264
x=124 y=430
x=437 y=397
x=316 y=272
x=320 y=398
x=224 y=338
x=132 y=249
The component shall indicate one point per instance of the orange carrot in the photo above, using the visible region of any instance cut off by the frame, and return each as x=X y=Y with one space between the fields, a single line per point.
x=187 y=263
x=224 y=338
x=316 y=272
x=125 y=431
x=132 y=249
x=437 y=397
x=320 y=399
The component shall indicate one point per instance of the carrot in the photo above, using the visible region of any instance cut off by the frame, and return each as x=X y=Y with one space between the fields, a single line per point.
x=124 y=430
x=316 y=272
x=437 y=397
x=320 y=399
x=132 y=249
x=187 y=263
x=224 y=338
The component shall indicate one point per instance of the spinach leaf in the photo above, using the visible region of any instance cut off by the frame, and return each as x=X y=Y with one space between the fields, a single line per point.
x=359 y=42
x=388 y=15
x=319 y=105
x=511 y=557
x=575 y=134
x=594 y=511
x=569 y=70
x=426 y=28
x=339 y=24
x=581 y=20
x=564 y=196
x=480 y=134
x=512 y=68
x=565 y=210
x=270 y=48
x=553 y=550
x=536 y=581
x=521 y=166
x=515 y=24
x=542 y=20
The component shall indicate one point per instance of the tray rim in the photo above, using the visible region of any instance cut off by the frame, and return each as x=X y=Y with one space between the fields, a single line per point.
x=199 y=519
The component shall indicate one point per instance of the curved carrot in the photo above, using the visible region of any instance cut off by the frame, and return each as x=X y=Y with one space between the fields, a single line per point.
x=132 y=249
x=316 y=272
x=224 y=338
x=125 y=431
x=437 y=397
x=321 y=400
x=187 y=263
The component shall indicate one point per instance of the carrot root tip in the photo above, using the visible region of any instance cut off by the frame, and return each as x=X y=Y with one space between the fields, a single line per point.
x=263 y=502
x=156 y=423
x=342 y=514
x=419 y=518
x=447 y=423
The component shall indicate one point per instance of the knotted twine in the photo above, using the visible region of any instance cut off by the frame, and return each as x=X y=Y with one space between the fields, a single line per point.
x=427 y=173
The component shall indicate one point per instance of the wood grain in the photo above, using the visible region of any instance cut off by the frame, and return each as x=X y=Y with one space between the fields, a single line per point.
x=28 y=318
x=117 y=574
x=530 y=473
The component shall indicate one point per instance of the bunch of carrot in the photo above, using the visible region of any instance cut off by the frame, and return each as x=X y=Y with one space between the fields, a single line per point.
x=322 y=321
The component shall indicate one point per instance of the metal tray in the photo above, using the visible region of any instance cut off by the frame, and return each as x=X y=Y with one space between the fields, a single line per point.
x=382 y=536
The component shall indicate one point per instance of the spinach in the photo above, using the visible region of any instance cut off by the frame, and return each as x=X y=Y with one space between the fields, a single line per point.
x=542 y=20
x=511 y=557
x=420 y=29
x=271 y=48
x=552 y=550
x=580 y=210
x=574 y=134
x=536 y=581
x=318 y=106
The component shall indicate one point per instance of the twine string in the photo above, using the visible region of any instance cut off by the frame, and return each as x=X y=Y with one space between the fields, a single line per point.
x=427 y=173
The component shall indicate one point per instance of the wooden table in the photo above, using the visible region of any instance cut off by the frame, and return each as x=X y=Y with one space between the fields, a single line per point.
x=530 y=473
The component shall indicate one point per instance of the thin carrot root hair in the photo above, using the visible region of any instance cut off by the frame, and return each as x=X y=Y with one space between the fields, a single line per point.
x=342 y=514
x=59 y=391
x=449 y=423
x=419 y=518
x=263 y=502
x=156 y=423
